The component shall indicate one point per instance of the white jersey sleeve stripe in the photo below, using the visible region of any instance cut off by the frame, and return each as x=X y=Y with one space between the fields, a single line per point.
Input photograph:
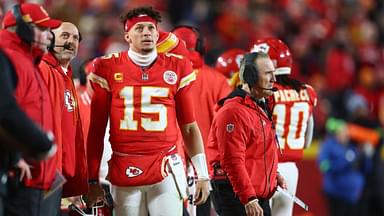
x=99 y=80
x=185 y=81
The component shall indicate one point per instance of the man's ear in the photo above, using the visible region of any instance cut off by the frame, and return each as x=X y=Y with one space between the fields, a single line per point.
x=127 y=38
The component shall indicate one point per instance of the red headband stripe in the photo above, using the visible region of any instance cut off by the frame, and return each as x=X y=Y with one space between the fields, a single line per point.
x=142 y=18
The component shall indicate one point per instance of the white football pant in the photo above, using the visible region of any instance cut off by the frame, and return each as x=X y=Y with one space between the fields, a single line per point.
x=281 y=205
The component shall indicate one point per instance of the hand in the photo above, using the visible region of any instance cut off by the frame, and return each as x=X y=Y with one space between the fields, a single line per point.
x=24 y=168
x=252 y=208
x=281 y=181
x=95 y=194
x=201 y=192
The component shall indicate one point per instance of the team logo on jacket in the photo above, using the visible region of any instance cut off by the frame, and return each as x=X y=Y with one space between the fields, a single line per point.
x=69 y=101
x=133 y=171
x=230 y=127
x=170 y=77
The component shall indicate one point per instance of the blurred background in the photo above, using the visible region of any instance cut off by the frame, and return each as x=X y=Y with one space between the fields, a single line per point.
x=337 y=45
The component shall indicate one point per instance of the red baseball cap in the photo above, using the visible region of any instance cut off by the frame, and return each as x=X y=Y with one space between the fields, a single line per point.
x=31 y=13
x=188 y=35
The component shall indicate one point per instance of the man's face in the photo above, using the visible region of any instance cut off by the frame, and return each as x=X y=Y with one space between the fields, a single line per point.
x=42 y=38
x=142 y=37
x=67 y=34
x=266 y=78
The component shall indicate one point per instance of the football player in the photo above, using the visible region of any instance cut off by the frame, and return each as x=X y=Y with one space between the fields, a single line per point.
x=145 y=95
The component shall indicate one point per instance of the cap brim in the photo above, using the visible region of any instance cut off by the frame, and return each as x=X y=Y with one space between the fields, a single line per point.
x=51 y=23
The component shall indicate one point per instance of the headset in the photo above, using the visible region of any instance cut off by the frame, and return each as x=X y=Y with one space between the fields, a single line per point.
x=53 y=41
x=199 y=47
x=250 y=72
x=23 y=30
x=249 y=69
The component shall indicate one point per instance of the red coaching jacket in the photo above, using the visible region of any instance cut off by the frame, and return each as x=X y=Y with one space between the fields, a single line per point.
x=32 y=96
x=67 y=126
x=242 y=142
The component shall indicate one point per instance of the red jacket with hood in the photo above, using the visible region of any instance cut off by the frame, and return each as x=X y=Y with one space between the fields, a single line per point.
x=32 y=96
x=243 y=143
x=67 y=125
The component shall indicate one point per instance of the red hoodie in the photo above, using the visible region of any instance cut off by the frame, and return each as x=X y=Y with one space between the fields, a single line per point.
x=32 y=96
x=243 y=143
x=67 y=125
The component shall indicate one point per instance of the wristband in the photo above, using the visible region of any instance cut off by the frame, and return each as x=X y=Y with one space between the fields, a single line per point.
x=200 y=164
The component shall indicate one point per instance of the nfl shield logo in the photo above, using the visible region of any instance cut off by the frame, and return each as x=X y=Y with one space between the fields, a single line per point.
x=230 y=127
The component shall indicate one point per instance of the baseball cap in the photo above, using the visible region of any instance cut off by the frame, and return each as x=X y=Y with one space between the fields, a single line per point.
x=31 y=13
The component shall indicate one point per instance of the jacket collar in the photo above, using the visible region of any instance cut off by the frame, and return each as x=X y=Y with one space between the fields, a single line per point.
x=246 y=99
x=50 y=59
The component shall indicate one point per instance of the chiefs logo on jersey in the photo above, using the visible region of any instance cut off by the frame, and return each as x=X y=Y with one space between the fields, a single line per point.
x=133 y=171
x=170 y=77
x=69 y=101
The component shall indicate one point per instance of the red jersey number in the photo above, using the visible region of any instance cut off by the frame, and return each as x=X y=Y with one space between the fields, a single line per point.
x=147 y=93
x=291 y=123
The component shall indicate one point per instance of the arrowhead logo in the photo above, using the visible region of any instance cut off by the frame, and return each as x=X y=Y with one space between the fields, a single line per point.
x=133 y=172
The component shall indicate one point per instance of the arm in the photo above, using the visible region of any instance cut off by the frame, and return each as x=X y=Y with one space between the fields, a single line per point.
x=16 y=129
x=192 y=139
x=192 y=136
x=100 y=105
x=309 y=132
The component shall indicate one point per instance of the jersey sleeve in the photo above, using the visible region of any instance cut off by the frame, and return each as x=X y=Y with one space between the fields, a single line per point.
x=183 y=98
x=312 y=95
x=100 y=105
x=232 y=138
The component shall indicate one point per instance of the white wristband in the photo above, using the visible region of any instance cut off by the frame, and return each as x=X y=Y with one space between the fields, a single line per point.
x=200 y=164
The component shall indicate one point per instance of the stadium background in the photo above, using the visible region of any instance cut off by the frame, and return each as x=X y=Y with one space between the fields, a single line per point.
x=337 y=47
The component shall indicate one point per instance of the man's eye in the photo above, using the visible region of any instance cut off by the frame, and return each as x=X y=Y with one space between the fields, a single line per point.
x=65 y=36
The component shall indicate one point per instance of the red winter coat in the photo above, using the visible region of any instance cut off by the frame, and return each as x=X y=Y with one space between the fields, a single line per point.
x=32 y=96
x=242 y=140
x=68 y=126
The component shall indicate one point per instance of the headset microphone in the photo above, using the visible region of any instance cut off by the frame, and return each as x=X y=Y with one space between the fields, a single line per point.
x=65 y=46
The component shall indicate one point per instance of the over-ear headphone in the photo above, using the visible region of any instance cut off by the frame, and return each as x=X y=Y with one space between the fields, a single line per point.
x=23 y=29
x=249 y=70
x=199 y=47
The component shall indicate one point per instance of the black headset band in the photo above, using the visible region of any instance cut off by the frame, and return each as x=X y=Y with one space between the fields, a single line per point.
x=23 y=29
x=250 y=70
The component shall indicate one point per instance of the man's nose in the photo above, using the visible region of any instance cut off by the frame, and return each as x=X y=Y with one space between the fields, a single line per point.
x=146 y=31
x=273 y=77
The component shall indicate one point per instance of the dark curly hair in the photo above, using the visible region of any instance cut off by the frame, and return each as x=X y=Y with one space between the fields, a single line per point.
x=285 y=80
x=139 y=11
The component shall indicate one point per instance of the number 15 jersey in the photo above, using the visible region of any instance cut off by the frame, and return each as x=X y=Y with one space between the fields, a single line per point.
x=144 y=104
